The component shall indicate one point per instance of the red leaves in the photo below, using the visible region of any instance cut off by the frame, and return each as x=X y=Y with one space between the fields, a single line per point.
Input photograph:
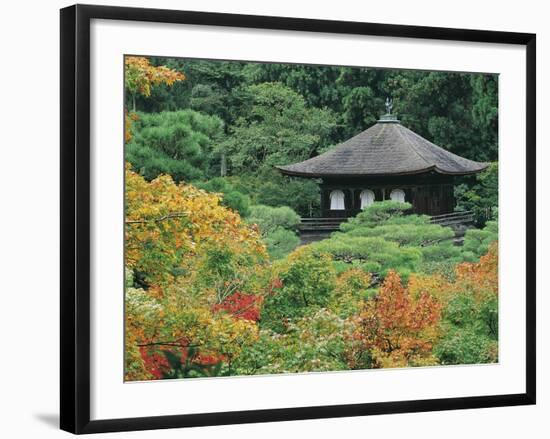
x=242 y=306
x=155 y=362
x=208 y=360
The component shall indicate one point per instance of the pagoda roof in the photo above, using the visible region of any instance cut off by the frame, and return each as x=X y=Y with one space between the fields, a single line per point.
x=386 y=148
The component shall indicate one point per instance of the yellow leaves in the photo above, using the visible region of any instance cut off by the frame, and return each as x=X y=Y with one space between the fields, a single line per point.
x=140 y=75
x=167 y=224
x=348 y=294
x=433 y=283
x=227 y=331
x=354 y=278
x=194 y=319
x=129 y=119
x=175 y=237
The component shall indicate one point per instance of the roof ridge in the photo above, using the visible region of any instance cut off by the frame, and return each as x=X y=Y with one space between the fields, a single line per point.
x=413 y=147
x=382 y=129
x=440 y=148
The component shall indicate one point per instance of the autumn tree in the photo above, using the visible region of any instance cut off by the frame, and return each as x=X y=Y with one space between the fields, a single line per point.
x=167 y=223
x=395 y=328
x=469 y=325
x=193 y=266
x=139 y=78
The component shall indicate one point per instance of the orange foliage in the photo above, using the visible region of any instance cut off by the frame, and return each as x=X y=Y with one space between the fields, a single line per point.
x=480 y=276
x=396 y=327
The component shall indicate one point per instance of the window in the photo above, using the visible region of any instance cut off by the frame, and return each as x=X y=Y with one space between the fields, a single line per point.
x=367 y=198
x=398 y=195
x=337 y=200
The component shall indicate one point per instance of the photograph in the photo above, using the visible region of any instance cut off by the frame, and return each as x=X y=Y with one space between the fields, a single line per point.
x=296 y=218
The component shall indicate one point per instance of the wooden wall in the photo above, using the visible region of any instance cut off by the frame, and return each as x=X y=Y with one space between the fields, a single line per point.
x=430 y=194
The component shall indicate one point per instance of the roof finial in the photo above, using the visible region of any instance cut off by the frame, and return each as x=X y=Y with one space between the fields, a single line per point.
x=389 y=105
x=389 y=117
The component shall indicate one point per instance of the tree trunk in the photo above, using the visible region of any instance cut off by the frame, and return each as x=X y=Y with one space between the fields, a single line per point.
x=223 y=170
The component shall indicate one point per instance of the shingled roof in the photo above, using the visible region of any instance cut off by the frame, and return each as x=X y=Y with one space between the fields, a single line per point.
x=386 y=148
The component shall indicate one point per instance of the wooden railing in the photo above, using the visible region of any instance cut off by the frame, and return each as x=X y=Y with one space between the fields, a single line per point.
x=331 y=224
x=325 y=224
x=454 y=218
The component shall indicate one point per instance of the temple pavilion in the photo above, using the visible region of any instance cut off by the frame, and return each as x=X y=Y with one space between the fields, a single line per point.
x=386 y=161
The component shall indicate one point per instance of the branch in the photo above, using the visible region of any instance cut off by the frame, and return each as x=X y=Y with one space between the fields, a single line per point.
x=168 y=343
x=158 y=220
x=243 y=310
x=435 y=241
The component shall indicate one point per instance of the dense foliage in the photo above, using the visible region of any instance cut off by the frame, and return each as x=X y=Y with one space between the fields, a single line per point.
x=216 y=280
x=179 y=143
x=230 y=195
x=383 y=238
x=458 y=111
x=277 y=226
x=481 y=195
x=203 y=299
x=277 y=128
x=275 y=114
x=191 y=262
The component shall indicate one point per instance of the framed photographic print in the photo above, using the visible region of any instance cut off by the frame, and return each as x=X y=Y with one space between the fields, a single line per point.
x=285 y=218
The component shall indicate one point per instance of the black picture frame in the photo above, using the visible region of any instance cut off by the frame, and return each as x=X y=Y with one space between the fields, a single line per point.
x=75 y=217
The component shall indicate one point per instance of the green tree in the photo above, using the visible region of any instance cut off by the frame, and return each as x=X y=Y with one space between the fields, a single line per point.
x=270 y=219
x=231 y=197
x=383 y=237
x=277 y=128
x=271 y=188
x=209 y=87
x=459 y=111
x=307 y=281
x=278 y=227
x=447 y=109
x=481 y=195
x=314 y=343
x=179 y=143
x=478 y=241
x=485 y=111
